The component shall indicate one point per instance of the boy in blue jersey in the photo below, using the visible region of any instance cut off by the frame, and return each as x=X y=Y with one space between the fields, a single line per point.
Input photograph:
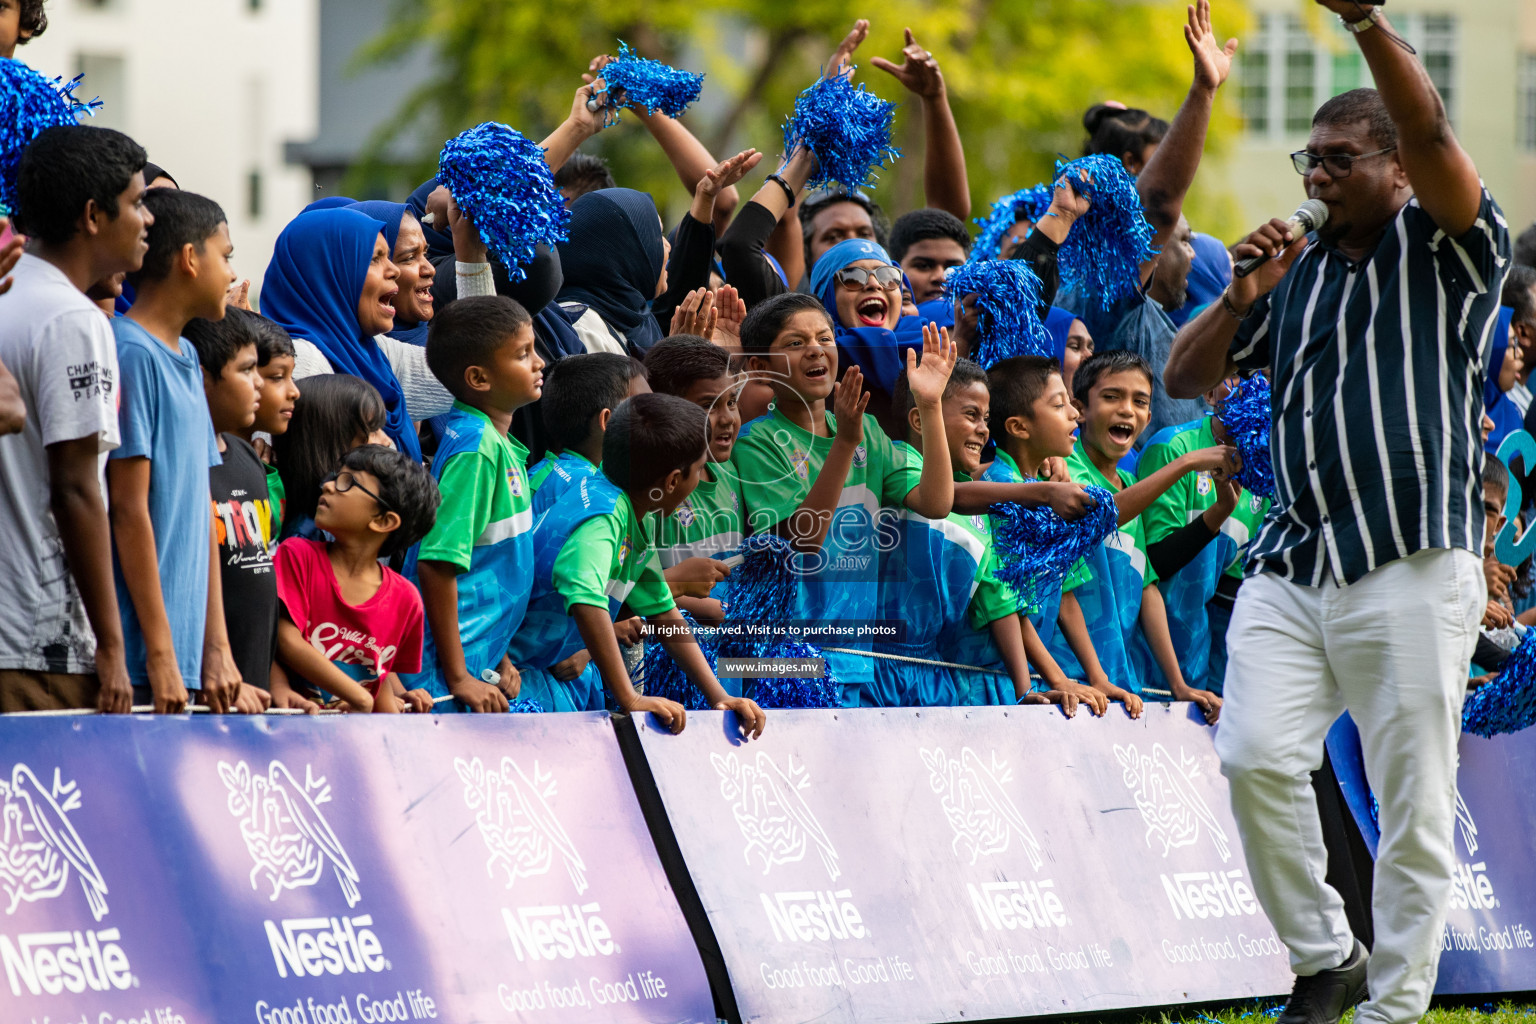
x=1113 y=392
x=594 y=558
x=1197 y=535
x=938 y=581
x=475 y=567
x=819 y=477
x=580 y=394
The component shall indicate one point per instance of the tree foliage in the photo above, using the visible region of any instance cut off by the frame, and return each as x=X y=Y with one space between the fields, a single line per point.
x=1019 y=73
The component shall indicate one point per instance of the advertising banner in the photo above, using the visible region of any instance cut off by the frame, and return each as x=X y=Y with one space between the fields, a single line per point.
x=342 y=871
x=963 y=863
x=1489 y=942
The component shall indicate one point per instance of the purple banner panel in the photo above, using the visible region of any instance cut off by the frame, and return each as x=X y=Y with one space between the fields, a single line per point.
x=89 y=929
x=1489 y=942
x=965 y=864
x=356 y=870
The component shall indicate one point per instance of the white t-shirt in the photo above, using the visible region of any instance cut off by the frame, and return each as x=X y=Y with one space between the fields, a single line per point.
x=59 y=347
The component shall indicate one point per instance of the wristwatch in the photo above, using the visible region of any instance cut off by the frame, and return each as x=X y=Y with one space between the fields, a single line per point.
x=1364 y=24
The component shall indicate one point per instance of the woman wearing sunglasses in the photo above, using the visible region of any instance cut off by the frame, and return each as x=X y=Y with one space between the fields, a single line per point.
x=860 y=285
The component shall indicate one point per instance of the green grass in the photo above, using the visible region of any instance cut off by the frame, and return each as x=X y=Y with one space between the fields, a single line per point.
x=1249 y=1013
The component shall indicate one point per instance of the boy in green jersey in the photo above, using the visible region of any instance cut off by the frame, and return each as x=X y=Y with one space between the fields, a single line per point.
x=938 y=580
x=1114 y=396
x=593 y=557
x=475 y=566
x=820 y=477
x=1197 y=535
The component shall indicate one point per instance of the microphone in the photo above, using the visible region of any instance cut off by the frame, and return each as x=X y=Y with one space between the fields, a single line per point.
x=1310 y=216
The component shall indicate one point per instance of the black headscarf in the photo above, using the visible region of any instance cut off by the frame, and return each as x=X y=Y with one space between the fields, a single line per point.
x=613 y=261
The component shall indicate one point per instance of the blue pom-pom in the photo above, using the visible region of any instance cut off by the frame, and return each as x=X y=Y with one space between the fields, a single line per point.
x=29 y=103
x=1007 y=309
x=763 y=591
x=1103 y=253
x=1245 y=412
x=764 y=587
x=822 y=692
x=848 y=130
x=1508 y=703
x=1026 y=204
x=1037 y=548
x=500 y=179
x=524 y=706
x=663 y=677
x=636 y=82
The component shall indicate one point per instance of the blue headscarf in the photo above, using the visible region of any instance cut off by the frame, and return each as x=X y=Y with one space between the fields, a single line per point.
x=311 y=288
x=439 y=242
x=1209 y=274
x=383 y=210
x=878 y=351
x=1058 y=324
x=328 y=203
x=1504 y=413
x=613 y=261
x=392 y=214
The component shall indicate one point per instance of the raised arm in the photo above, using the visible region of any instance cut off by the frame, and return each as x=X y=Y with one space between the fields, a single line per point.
x=741 y=248
x=1443 y=177
x=944 y=181
x=1165 y=181
x=580 y=126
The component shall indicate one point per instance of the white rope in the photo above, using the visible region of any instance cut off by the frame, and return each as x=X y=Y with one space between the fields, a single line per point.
x=921 y=661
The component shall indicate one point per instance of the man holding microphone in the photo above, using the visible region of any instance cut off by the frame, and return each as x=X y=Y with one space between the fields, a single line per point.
x=1365 y=585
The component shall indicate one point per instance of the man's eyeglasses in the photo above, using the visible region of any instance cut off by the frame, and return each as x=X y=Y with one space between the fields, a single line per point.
x=854 y=278
x=345 y=481
x=1338 y=165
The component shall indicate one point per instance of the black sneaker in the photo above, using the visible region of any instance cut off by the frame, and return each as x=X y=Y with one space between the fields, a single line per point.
x=1323 y=997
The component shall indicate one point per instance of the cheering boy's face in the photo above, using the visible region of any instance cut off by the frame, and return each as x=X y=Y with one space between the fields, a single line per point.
x=276 y=394
x=802 y=360
x=1051 y=421
x=233 y=395
x=1119 y=406
x=514 y=376
x=965 y=426
x=1493 y=511
x=348 y=506
x=717 y=396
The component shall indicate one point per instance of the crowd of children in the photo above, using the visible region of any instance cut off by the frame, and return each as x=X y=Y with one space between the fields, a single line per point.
x=411 y=483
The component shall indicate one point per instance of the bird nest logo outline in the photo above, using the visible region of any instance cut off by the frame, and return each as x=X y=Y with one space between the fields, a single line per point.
x=1465 y=825
x=284 y=830
x=513 y=814
x=39 y=847
x=977 y=806
x=1171 y=808
x=769 y=806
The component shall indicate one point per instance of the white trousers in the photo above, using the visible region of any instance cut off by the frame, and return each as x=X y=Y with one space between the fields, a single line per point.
x=1392 y=648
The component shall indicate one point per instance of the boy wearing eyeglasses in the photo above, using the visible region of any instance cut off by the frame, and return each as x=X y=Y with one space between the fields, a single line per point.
x=351 y=624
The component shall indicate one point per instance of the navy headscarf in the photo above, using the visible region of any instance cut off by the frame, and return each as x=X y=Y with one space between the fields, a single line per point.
x=311 y=288
x=613 y=261
x=878 y=351
x=1504 y=413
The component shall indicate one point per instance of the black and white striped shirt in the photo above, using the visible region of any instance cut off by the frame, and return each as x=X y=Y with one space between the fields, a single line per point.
x=1377 y=371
